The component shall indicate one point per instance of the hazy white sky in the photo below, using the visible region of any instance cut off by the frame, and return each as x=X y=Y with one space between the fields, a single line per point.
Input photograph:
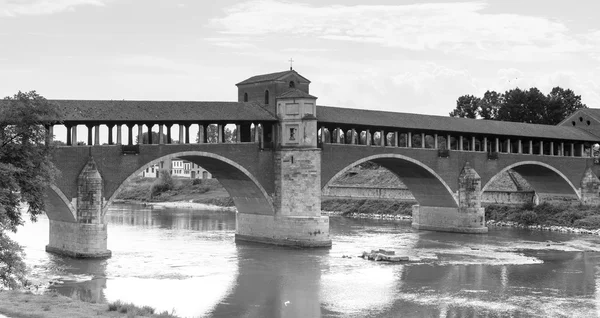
x=401 y=55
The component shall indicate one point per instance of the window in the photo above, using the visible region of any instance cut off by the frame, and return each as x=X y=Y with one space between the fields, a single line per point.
x=267 y=97
x=245 y=97
x=292 y=84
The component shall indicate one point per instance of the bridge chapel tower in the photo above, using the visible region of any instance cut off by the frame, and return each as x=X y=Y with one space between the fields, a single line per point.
x=296 y=198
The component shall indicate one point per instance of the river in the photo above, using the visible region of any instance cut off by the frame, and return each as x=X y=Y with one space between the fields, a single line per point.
x=186 y=261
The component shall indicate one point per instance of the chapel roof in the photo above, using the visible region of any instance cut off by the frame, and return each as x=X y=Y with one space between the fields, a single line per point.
x=295 y=93
x=270 y=77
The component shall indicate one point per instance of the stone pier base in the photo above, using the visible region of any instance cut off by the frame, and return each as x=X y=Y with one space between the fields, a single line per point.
x=300 y=231
x=78 y=240
x=445 y=219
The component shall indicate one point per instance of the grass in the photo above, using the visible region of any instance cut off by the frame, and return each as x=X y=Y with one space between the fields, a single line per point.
x=17 y=304
x=380 y=177
x=184 y=189
x=350 y=206
x=135 y=311
x=579 y=216
x=218 y=201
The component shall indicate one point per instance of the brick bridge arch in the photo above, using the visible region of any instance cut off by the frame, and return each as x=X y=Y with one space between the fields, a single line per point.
x=58 y=206
x=428 y=187
x=247 y=192
x=242 y=169
x=543 y=177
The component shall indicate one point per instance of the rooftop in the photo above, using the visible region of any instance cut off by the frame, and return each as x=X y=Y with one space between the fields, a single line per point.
x=361 y=117
x=295 y=93
x=123 y=111
x=270 y=77
x=159 y=111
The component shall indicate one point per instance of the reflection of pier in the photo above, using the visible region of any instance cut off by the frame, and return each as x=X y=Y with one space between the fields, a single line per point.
x=287 y=285
x=196 y=220
x=77 y=288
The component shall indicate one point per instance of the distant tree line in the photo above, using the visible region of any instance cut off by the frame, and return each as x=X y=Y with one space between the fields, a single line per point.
x=517 y=105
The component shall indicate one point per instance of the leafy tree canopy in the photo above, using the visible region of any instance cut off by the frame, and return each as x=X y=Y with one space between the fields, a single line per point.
x=528 y=106
x=25 y=172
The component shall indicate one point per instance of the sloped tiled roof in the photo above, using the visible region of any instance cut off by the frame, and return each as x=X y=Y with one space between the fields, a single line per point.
x=295 y=93
x=360 y=117
x=593 y=112
x=270 y=77
x=154 y=111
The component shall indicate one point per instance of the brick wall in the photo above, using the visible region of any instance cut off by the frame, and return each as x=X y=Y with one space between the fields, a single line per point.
x=115 y=168
x=297 y=180
x=337 y=157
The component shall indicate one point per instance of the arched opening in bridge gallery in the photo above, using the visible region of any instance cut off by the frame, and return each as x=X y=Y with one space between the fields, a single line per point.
x=161 y=133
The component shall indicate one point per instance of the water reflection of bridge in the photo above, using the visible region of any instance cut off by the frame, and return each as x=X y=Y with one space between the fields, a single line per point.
x=191 y=219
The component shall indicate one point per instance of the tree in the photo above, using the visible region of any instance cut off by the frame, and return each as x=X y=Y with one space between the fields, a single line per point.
x=562 y=103
x=467 y=106
x=517 y=105
x=26 y=171
x=230 y=135
x=490 y=104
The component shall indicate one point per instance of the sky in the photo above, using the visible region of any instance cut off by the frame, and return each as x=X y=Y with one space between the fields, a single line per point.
x=404 y=56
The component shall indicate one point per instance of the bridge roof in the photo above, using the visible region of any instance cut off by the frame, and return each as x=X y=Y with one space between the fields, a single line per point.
x=159 y=111
x=362 y=117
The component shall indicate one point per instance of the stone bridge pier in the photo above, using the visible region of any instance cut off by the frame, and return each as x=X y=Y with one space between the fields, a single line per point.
x=468 y=217
x=84 y=235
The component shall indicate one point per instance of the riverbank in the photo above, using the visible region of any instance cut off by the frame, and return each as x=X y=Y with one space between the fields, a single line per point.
x=208 y=191
x=214 y=205
x=18 y=304
x=555 y=217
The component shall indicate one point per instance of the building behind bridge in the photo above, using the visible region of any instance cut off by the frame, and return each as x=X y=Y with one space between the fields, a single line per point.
x=179 y=168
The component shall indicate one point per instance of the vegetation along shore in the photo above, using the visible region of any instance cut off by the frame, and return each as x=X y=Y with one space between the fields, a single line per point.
x=25 y=304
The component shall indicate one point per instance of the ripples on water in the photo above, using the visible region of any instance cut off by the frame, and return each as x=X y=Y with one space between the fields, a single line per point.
x=187 y=261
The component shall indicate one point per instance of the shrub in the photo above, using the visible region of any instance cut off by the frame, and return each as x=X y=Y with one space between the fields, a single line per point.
x=164 y=183
x=526 y=217
x=568 y=217
x=528 y=206
x=589 y=222
x=196 y=181
x=499 y=212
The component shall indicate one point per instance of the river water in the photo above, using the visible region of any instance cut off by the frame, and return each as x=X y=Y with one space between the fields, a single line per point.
x=186 y=261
